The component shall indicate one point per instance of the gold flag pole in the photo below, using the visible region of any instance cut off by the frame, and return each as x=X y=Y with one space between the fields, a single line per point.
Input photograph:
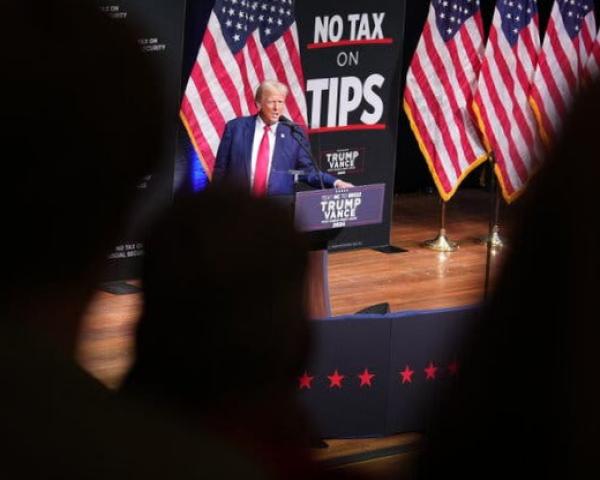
x=493 y=241
x=493 y=238
x=441 y=243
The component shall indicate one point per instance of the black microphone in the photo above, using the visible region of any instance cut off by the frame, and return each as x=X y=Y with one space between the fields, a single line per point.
x=286 y=121
x=300 y=137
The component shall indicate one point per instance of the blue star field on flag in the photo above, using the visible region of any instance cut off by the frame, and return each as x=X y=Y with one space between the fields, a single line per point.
x=516 y=15
x=239 y=18
x=451 y=14
x=573 y=12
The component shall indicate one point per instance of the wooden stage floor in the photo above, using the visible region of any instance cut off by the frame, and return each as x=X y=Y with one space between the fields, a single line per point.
x=417 y=279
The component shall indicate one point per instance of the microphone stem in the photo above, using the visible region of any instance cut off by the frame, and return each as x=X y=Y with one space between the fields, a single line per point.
x=299 y=137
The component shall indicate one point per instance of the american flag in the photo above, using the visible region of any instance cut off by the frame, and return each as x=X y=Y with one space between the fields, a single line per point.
x=502 y=98
x=561 y=64
x=439 y=91
x=245 y=42
x=593 y=65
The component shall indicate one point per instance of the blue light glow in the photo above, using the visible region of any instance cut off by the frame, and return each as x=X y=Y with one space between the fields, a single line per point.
x=198 y=178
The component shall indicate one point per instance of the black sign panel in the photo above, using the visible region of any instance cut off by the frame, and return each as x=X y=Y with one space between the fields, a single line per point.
x=352 y=54
x=159 y=26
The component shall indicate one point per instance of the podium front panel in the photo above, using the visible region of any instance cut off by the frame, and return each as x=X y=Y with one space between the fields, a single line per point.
x=338 y=208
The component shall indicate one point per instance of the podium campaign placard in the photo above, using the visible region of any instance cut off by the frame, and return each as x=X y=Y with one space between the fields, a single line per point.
x=337 y=208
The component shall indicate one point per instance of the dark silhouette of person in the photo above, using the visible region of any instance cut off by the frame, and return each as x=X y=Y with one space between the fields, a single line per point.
x=81 y=125
x=527 y=401
x=224 y=333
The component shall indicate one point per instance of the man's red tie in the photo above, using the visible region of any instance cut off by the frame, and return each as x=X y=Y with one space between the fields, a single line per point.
x=259 y=188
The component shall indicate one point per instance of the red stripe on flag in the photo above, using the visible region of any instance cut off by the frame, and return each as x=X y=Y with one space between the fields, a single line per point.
x=471 y=53
x=221 y=72
x=555 y=95
x=255 y=58
x=436 y=165
x=241 y=61
x=492 y=138
x=588 y=42
x=561 y=56
x=435 y=110
x=204 y=151
x=210 y=106
x=524 y=77
x=504 y=121
x=544 y=118
x=517 y=112
x=593 y=65
x=430 y=46
x=294 y=55
x=463 y=81
x=277 y=64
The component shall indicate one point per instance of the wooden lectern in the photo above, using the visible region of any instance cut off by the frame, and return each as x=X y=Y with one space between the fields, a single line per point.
x=322 y=214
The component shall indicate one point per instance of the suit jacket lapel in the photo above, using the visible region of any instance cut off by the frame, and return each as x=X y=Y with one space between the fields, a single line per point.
x=248 y=140
x=277 y=164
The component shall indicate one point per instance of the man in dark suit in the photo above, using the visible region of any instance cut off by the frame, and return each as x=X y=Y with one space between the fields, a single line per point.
x=258 y=152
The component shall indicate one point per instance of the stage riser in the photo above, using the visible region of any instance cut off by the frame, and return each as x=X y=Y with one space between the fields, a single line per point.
x=384 y=345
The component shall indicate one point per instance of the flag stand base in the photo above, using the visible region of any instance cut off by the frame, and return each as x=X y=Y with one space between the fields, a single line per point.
x=441 y=243
x=494 y=240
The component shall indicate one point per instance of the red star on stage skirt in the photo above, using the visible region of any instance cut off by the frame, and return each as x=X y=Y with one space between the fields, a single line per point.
x=430 y=371
x=365 y=378
x=407 y=374
x=336 y=379
x=305 y=381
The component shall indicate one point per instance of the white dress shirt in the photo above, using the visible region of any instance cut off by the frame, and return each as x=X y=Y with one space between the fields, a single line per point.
x=259 y=131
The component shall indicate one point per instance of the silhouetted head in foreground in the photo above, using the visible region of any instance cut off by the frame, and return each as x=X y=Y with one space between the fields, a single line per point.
x=528 y=404
x=224 y=315
x=81 y=120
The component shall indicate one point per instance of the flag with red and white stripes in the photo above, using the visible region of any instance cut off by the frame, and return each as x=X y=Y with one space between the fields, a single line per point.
x=439 y=91
x=245 y=42
x=593 y=65
x=502 y=98
x=561 y=65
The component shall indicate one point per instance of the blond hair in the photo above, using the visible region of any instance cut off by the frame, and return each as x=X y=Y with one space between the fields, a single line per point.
x=266 y=85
